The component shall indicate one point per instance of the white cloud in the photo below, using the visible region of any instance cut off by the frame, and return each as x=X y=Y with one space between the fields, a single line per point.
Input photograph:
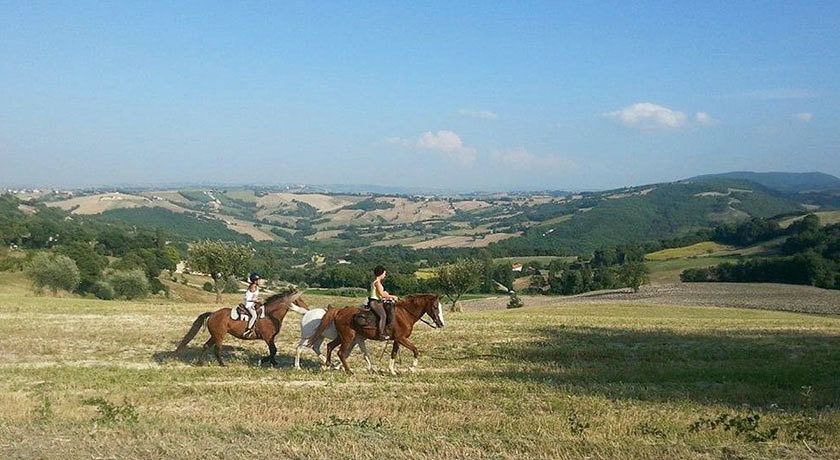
x=705 y=119
x=520 y=158
x=482 y=114
x=447 y=143
x=647 y=115
x=804 y=116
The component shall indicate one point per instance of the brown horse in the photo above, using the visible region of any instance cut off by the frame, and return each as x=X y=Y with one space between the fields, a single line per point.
x=219 y=323
x=407 y=312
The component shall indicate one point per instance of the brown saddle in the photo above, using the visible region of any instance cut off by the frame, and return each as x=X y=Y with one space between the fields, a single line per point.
x=244 y=313
x=365 y=318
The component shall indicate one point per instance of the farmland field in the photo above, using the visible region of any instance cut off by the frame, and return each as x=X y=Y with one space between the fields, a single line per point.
x=602 y=379
x=694 y=250
x=668 y=271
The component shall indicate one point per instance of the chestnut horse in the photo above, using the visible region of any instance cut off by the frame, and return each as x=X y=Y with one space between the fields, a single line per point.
x=407 y=312
x=219 y=323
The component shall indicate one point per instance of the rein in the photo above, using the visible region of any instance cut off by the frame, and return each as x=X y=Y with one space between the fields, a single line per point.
x=428 y=323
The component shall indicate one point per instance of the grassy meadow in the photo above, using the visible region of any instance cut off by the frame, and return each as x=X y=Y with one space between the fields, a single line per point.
x=94 y=379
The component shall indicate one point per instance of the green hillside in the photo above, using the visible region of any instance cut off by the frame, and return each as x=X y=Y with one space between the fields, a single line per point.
x=666 y=211
x=187 y=226
x=781 y=181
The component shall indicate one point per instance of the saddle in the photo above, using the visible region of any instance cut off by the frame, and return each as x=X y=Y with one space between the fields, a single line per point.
x=368 y=318
x=241 y=313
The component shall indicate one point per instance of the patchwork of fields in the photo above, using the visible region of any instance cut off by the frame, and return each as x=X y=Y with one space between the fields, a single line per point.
x=94 y=379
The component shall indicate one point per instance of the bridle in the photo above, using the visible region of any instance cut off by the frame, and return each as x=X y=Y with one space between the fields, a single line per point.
x=428 y=323
x=433 y=326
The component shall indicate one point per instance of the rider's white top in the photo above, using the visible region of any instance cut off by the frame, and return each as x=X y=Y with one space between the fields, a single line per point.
x=250 y=297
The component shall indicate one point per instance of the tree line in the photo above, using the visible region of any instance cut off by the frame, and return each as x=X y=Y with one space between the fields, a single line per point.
x=810 y=255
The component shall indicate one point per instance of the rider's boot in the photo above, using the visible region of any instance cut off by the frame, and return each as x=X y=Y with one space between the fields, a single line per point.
x=249 y=331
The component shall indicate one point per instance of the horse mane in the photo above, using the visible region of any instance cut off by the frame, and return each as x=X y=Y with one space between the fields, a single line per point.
x=413 y=297
x=279 y=296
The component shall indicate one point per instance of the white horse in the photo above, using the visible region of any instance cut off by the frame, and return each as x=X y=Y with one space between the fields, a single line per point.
x=308 y=324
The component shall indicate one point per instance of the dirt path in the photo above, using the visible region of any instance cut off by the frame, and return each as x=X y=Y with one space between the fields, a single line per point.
x=764 y=296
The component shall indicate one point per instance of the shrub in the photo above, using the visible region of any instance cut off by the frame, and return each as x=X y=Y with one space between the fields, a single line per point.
x=131 y=284
x=103 y=290
x=208 y=286
x=112 y=413
x=515 y=301
x=8 y=264
x=53 y=272
x=156 y=286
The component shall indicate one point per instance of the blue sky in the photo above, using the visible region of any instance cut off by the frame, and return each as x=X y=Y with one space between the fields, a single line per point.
x=467 y=96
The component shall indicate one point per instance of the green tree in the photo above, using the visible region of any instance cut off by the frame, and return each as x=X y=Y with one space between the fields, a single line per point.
x=537 y=283
x=90 y=263
x=458 y=278
x=53 y=272
x=503 y=275
x=131 y=284
x=220 y=260
x=634 y=274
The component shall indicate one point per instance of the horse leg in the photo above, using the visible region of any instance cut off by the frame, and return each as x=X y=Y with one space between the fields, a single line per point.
x=392 y=364
x=317 y=348
x=408 y=344
x=204 y=349
x=330 y=347
x=217 y=346
x=346 y=347
x=298 y=350
x=363 y=347
x=217 y=351
x=272 y=353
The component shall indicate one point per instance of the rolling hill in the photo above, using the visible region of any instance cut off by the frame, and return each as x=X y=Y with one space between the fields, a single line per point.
x=663 y=211
x=781 y=181
x=548 y=223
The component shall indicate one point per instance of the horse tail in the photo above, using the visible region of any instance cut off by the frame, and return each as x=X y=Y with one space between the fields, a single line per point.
x=328 y=317
x=196 y=326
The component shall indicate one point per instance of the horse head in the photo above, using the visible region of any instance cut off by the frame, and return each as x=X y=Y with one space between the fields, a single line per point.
x=297 y=304
x=435 y=311
x=429 y=304
x=290 y=300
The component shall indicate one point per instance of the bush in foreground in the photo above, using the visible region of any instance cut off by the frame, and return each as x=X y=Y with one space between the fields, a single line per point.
x=515 y=301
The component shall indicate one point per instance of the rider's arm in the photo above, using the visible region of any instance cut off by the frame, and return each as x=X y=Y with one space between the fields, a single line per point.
x=383 y=294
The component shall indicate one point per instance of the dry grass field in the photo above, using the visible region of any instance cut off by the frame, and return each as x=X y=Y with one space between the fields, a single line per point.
x=463 y=241
x=694 y=250
x=826 y=218
x=97 y=204
x=85 y=378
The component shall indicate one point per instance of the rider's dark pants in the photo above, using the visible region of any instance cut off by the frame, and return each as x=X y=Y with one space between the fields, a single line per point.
x=379 y=309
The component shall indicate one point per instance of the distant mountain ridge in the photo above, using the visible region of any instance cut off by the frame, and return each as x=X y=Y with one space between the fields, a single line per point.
x=514 y=223
x=781 y=181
